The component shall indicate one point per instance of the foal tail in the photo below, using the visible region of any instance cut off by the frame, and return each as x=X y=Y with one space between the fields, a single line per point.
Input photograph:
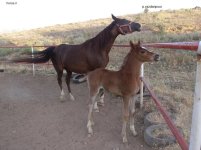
x=37 y=57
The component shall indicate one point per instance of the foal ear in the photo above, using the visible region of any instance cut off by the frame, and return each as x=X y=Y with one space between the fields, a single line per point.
x=139 y=43
x=114 y=18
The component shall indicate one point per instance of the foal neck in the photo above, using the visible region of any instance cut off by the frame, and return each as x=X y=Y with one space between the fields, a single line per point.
x=131 y=66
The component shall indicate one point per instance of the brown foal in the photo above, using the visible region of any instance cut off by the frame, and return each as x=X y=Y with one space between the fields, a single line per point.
x=125 y=83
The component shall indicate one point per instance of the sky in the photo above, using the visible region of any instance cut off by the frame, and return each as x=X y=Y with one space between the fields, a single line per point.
x=27 y=14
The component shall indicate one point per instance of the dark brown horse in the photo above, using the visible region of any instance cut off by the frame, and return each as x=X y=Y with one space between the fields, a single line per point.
x=125 y=83
x=84 y=57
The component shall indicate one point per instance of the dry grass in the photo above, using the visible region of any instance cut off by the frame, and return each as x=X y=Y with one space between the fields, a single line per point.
x=172 y=78
x=160 y=26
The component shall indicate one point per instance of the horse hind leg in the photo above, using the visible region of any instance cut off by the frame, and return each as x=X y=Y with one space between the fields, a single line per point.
x=59 y=71
x=59 y=79
x=68 y=76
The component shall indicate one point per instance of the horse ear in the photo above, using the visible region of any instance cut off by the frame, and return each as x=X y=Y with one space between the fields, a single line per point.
x=132 y=45
x=114 y=18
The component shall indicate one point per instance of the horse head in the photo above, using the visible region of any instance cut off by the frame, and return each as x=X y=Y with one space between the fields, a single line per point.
x=125 y=26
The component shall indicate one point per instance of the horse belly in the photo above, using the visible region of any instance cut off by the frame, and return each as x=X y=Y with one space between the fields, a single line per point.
x=75 y=63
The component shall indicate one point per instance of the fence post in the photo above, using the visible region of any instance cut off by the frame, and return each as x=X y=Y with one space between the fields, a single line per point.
x=141 y=86
x=195 y=138
x=33 y=66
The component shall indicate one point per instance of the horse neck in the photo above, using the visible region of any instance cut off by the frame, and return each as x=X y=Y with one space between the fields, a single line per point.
x=132 y=67
x=106 y=38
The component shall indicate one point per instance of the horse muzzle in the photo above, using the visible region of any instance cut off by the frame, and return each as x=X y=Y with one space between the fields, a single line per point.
x=135 y=27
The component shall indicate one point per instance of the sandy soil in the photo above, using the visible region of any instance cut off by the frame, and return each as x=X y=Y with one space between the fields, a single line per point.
x=33 y=118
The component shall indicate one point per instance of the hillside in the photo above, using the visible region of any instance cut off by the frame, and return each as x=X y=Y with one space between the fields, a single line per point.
x=167 y=25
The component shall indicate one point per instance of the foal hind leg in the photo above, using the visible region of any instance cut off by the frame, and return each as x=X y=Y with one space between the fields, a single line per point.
x=132 y=113
x=68 y=76
x=90 y=121
x=93 y=91
x=100 y=102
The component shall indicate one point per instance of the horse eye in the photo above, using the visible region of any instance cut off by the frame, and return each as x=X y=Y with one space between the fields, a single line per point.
x=142 y=52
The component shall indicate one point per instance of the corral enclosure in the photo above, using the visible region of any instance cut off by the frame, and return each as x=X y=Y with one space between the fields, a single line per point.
x=172 y=79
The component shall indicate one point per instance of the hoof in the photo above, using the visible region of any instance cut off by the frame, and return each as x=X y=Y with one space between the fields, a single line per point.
x=89 y=135
x=72 y=97
x=134 y=133
x=92 y=123
x=90 y=132
x=132 y=129
x=125 y=141
x=62 y=96
x=100 y=104
x=62 y=99
x=96 y=110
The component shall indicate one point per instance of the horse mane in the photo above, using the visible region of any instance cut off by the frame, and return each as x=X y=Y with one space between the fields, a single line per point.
x=102 y=38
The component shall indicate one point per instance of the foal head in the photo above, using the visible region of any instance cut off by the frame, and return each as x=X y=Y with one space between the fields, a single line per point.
x=142 y=54
x=125 y=26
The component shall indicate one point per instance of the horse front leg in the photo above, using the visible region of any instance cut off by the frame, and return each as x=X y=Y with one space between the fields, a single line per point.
x=125 y=118
x=68 y=76
x=132 y=113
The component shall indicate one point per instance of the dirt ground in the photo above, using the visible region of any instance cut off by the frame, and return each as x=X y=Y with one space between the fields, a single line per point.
x=33 y=118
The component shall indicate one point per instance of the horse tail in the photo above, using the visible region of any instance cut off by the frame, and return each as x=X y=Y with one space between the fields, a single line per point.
x=37 y=57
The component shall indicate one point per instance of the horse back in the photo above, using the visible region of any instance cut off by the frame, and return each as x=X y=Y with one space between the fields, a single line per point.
x=79 y=58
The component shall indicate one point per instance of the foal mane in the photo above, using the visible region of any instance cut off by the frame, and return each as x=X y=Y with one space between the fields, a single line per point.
x=126 y=59
x=102 y=38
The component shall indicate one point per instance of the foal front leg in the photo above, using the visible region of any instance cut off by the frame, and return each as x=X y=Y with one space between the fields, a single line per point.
x=132 y=113
x=125 y=118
